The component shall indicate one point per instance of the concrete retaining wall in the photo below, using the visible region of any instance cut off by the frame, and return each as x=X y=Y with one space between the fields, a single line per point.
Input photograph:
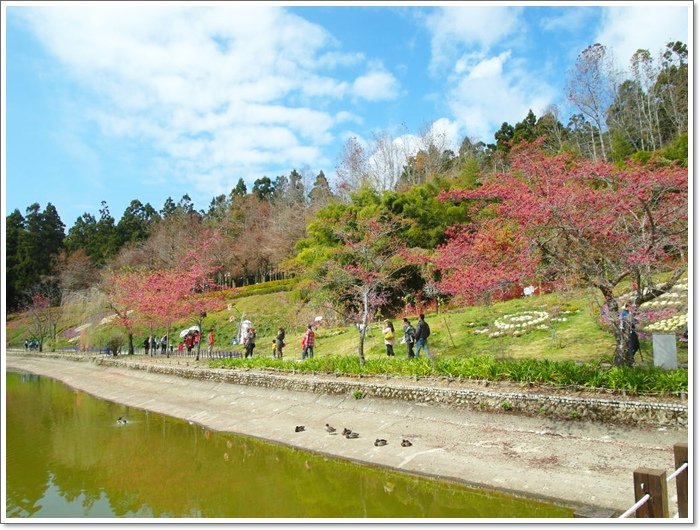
x=618 y=409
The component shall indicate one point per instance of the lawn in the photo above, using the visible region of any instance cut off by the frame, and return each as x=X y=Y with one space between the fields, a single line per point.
x=554 y=326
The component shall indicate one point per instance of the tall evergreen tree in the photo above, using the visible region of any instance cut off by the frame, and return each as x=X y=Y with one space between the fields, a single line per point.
x=218 y=207
x=263 y=189
x=14 y=230
x=239 y=191
x=321 y=191
x=168 y=208
x=37 y=247
x=296 y=187
x=136 y=222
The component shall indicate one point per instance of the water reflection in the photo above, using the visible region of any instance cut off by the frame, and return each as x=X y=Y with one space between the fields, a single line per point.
x=68 y=457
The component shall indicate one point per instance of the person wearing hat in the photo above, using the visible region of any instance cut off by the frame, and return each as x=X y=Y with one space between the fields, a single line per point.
x=389 y=337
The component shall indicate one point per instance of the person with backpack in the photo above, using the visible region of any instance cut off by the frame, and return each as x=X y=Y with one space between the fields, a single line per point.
x=389 y=338
x=422 y=334
x=409 y=337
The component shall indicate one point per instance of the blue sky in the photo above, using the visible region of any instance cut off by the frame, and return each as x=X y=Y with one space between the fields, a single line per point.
x=149 y=100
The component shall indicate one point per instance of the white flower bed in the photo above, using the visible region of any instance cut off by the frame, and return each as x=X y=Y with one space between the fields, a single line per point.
x=520 y=321
x=669 y=325
x=676 y=299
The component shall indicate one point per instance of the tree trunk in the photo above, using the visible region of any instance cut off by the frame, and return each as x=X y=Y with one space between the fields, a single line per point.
x=167 y=343
x=622 y=347
x=131 y=343
x=363 y=331
x=622 y=331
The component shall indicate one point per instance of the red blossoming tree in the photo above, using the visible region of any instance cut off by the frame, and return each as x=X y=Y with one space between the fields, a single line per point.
x=122 y=290
x=570 y=220
x=161 y=297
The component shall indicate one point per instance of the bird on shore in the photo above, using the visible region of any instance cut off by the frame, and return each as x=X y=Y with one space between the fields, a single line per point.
x=346 y=431
x=406 y=443
x=329 y=429
x=299 y=428
x=352 y=435
x=380 y=442
x=121 y=421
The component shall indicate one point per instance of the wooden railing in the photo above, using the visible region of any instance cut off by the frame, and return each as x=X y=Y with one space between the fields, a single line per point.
x=651 y=491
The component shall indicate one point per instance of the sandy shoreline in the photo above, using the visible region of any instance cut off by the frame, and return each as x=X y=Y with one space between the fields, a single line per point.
x=571 y=463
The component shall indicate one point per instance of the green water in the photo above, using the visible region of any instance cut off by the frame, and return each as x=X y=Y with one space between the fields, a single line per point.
x=68 y=458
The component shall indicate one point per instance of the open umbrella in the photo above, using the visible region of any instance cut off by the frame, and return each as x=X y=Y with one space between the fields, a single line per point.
x=189 y=330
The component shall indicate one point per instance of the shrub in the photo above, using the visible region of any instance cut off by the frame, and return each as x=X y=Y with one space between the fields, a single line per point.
x=635 y=380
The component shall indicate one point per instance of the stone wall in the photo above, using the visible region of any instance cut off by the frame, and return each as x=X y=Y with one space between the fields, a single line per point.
x=618 y=409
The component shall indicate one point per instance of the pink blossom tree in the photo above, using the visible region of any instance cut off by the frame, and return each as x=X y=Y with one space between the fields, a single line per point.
x=123 y=289
x=160 y=297
x=564 y=219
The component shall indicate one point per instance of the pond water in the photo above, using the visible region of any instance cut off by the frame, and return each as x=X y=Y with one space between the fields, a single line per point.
x=67 y=457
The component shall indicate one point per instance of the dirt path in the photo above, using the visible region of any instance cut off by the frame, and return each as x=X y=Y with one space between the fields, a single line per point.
x=572 y=463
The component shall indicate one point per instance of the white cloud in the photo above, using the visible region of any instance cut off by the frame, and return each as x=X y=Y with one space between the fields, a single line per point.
x=650 y=27
x=571 y=19
x=454 y=29
x=491 y=67
x=222 y=91
x=375 y=86
x=494 y=91
x=485 y=83
x=447 y=132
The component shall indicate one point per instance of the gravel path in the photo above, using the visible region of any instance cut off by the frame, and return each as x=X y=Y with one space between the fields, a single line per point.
x=572 y=463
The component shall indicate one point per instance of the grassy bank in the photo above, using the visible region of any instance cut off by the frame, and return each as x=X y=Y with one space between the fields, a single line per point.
x=555 y=338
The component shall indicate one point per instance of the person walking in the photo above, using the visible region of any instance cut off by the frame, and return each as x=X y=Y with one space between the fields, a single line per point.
x=389 y=337
x=250 y=342
x=154 y=345
x=409 y=337
x=146 y=343
x=308 y=343
x=422 y=334
x=210 y=341
x=279 y=343
x=164 y=345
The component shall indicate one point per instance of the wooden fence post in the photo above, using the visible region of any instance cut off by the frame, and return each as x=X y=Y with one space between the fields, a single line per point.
x=680 y=456
x=653 y=482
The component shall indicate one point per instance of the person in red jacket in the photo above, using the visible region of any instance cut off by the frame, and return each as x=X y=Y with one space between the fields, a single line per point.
x=308 y=343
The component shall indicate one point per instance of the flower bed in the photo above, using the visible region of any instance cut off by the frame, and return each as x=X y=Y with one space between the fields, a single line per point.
x=517 y=324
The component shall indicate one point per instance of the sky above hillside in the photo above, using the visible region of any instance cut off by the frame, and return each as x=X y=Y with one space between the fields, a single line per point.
x=150 y=100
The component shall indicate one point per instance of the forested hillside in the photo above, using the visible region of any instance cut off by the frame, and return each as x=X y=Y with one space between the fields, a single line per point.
x=404 y=225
